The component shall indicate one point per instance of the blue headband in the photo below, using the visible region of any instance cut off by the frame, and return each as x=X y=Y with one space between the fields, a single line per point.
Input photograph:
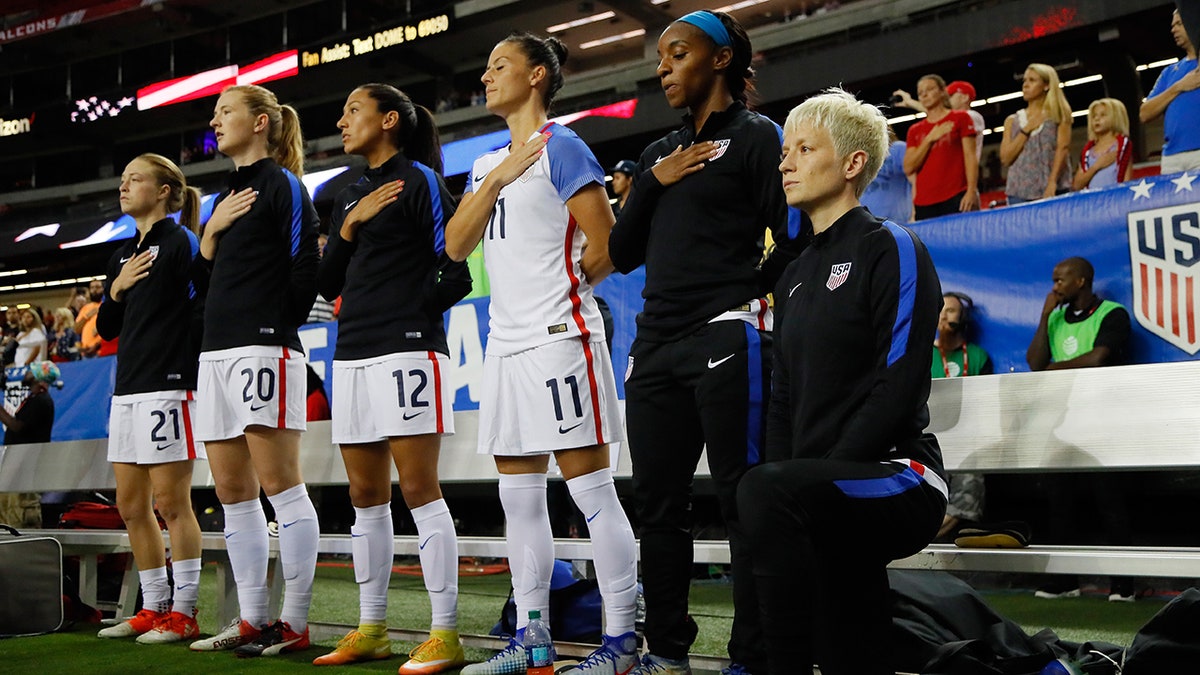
x=711 y=25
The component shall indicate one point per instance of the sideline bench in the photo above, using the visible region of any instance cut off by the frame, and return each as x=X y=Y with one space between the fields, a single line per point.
x=1121 y=418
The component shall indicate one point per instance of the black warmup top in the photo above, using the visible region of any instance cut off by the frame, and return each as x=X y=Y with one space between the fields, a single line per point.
x=37 y=414
x=701 y=238
x=160 y=317
x=854 y=317
x=263 y=281
x=394 y=278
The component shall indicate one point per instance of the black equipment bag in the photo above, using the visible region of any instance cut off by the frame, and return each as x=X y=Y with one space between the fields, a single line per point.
x=31 y=584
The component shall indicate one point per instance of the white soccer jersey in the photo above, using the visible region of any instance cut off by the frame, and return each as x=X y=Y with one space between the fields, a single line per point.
x=532 y=247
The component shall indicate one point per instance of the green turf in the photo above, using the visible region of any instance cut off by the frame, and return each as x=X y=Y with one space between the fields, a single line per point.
x=335 y=600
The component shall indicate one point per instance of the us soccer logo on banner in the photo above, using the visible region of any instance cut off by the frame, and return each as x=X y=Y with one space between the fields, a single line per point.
x=1164 y=247
x=837 y=275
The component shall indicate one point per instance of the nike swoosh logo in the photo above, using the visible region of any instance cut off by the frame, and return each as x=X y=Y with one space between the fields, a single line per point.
x=659 y=160
x=230 y=534
x=422 y=544
x=180 y=587
x=287 y=525
x=163 y=447
x=124 y=260
x=568 y=429
x=407 y=417
x=714 y=364
x=593 y=516
x=257 y=408
x=479 y=179
x=350 y=205
x=794 y=288
x=356 y=536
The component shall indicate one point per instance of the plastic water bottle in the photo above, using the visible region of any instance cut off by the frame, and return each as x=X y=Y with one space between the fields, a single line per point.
x=539 y=648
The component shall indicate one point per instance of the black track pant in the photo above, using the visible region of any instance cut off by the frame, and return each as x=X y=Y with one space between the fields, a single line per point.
x=821 y=534
x=707 y=390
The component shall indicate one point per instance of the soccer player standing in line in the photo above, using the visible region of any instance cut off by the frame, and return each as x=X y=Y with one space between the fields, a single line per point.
x=260 y=250
x=699 y=369
x=846 y=448
x=150 y=304
x=386 y=259
x=541 y=209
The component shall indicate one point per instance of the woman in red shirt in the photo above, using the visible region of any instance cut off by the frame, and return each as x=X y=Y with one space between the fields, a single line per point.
x=941 y=152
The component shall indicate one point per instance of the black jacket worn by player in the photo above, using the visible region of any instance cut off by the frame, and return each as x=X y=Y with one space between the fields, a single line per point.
x=700 y=238
x=400 y=280
x=159 y=318
x=263 y=281
x=839 y=392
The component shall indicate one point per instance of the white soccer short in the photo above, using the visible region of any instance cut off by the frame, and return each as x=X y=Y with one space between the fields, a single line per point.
x=555 y=396
x=153 y=428
x=403 y=394
x=244 y=386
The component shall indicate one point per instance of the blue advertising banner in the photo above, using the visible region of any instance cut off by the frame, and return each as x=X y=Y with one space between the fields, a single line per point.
x=1142 y=238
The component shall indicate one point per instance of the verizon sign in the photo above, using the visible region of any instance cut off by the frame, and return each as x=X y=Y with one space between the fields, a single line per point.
x=14 y=127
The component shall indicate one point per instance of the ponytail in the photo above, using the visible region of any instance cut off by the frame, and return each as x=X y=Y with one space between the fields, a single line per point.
x=739 y=76
x=289 y=150
x=189 y=211
x=417 y=133
x=550 y=53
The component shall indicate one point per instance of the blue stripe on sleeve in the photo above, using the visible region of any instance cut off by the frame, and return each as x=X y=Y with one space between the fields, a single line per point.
x=572 y=164
x=297 y=211
x=795 y=219
x=754 y=413
x=194 y=249
x=874 y=488
x=435 y=201
x=908 y=290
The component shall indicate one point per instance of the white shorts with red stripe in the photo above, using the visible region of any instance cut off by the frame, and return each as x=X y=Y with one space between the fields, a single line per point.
x=153 y=428
x=557 y=396
x=247 y=386
x=404 y=394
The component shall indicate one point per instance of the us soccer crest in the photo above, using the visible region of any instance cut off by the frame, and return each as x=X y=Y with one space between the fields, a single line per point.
x=837 y=275
x=153 y=253
x=722 y=146
x=1164 y=247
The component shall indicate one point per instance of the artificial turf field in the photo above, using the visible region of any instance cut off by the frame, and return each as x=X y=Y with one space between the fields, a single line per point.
x=335 y=600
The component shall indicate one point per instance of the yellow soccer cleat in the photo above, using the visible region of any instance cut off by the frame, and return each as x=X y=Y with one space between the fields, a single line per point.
x=442 y=651
x=356 y=647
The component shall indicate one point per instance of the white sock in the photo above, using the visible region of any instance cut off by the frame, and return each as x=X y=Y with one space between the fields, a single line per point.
x=156 y=590
x=374 y=548
x=439 y=561
x=614 y=550
x=187 y=585
x=299 y=536
x=246 y=543
x=530 y=542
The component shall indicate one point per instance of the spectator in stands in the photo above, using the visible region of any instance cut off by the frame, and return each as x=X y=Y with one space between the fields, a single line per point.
x=8 y=335
x=152 y=302
x=31 y=423
x=852 y=481
x=85 y=320
x=622 y=183
x=1078 y=329
x=955 y=356
x=31 y=341
x=1107 y=157
x=322 y=309
x=65 y=341
x=1175 y=98
x=1037 y=139
x=890 y=194
x=703 y=196
x=941 y=153
x=79 y=298
x=961 y=94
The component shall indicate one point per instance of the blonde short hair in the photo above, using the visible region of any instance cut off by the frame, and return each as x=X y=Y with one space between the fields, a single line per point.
x=1117 y=114
x=852 y=125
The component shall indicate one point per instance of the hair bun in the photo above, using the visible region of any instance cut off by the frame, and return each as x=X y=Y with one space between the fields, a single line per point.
x=559 y=48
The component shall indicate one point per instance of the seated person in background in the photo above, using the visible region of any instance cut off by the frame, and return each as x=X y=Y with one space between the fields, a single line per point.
x=954 y=356
x=1107 y=157
x=1080 y=330
x=30 y=423
x=890 y=194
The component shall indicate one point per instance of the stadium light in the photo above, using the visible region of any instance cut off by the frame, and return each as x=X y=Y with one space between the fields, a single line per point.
x=613 y=38
x=559 y=27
